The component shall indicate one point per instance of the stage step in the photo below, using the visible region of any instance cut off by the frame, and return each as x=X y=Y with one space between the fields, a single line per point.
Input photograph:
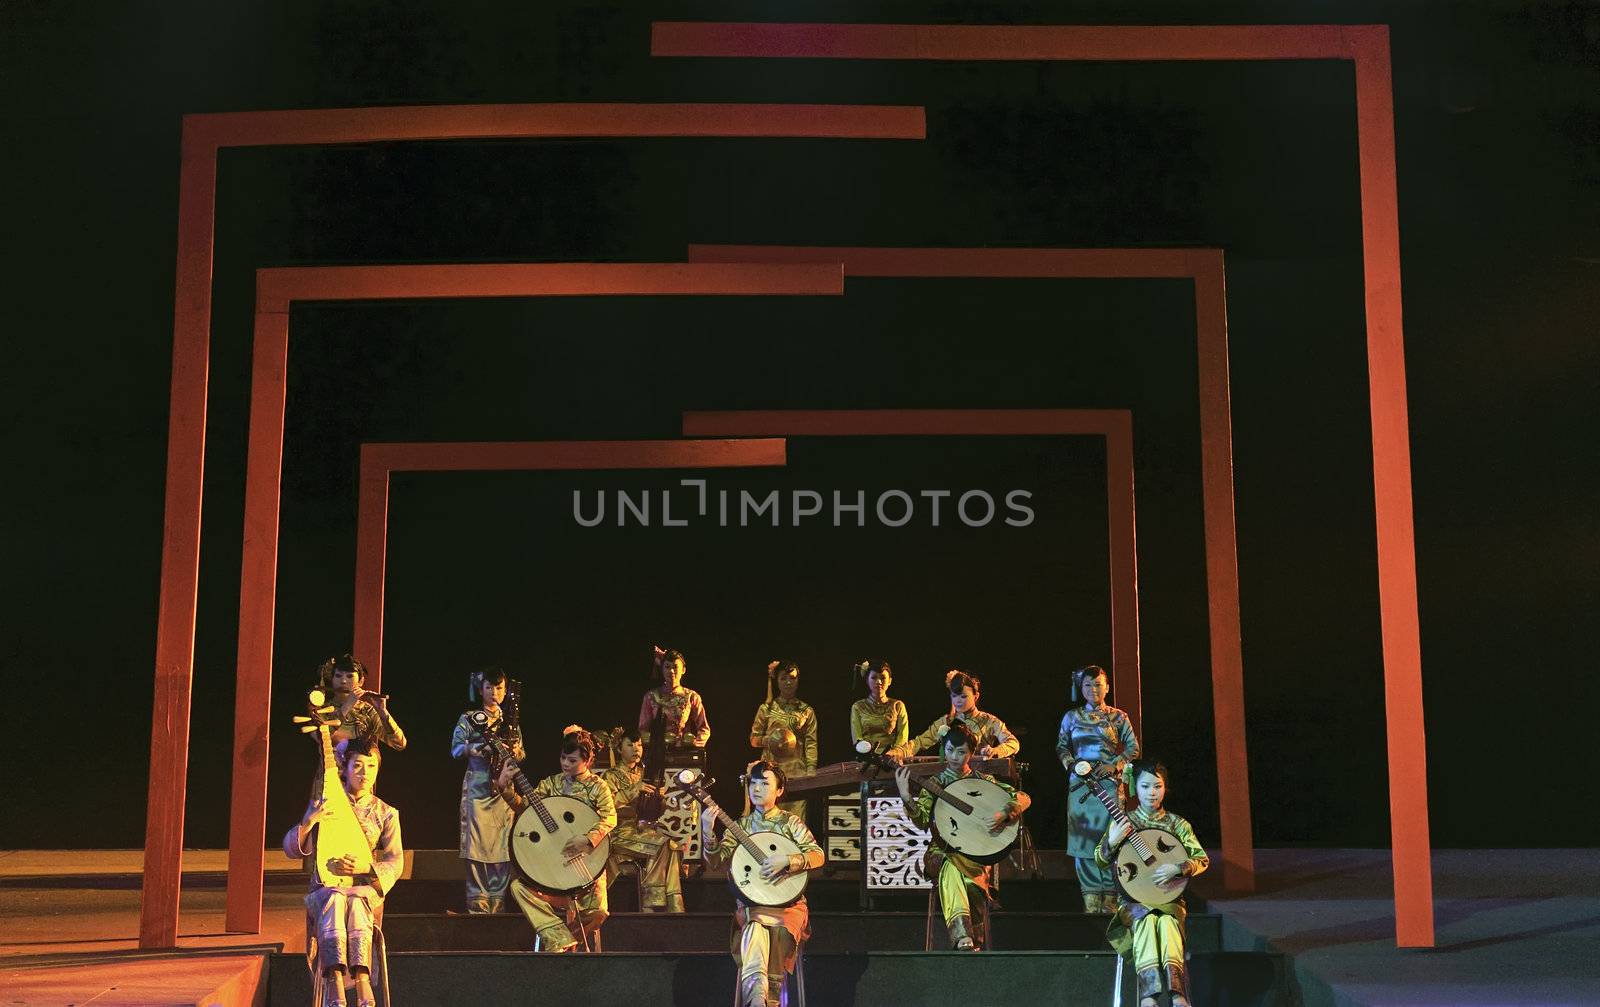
x=710 y=894
x=867 y=979
x=831 y=932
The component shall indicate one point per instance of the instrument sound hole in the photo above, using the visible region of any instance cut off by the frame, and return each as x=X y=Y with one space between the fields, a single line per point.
x=567 y=816
x=534 y=836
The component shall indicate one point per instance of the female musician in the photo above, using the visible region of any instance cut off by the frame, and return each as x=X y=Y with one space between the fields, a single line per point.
x=1103 y=735
x=574 y=780
x=1153 y=938
x=877 y=718
x=636 y=838
x=992 y=738
x=681 y=714
x=785 y=729
x=765 y=939
x=485 y=818
x=344 y=915
x=362 y=714
x=957 y=878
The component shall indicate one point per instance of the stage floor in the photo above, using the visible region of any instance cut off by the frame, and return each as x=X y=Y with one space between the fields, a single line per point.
x=1514 y=927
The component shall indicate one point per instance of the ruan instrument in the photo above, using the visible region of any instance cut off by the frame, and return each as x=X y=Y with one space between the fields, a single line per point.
x=338 y=833
x=1141 y=851
x=963 y=812
x=753 y=849
x=540 y=832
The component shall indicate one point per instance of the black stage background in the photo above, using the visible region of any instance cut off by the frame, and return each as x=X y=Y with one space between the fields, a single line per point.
x=1496 y=110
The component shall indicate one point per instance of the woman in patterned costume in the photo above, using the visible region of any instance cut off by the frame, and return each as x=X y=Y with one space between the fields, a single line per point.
x=1153 y=938
x=785 y=729
x=574 y=780
x=485 y=818
x=765 y=939
x=1100 y=734
x=637 y=839
x=878 y=719
x=682 y=715
x=994 y=739
x=956 y=878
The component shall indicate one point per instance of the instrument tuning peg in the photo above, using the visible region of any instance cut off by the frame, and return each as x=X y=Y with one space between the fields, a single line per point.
x=302 y=720
x=308 y=729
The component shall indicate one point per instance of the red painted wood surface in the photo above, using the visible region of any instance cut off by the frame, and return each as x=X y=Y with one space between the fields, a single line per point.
x=203 y=136
x=1204 y=268
x=1367 y=47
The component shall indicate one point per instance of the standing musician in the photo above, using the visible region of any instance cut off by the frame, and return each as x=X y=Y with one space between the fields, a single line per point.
x=765 y=939
x=363 y=715
x=670 y=714
x=344 y=915
x=485 y=818
x=636 y=838
x=785 y=729
x=991 y=736
x=1103 y=735
x=1153 y=936
x=957 y=878
x=877 y=719
x=574 y=780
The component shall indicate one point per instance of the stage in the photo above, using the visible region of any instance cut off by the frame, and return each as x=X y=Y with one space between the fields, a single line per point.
x=1320 y=931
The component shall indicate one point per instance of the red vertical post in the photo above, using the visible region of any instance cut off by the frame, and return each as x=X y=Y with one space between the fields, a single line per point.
x=1124 y=567
x=1391 y=476
x=1222 y=571
x=180 y=546
x=372 y=535
x=258 y=591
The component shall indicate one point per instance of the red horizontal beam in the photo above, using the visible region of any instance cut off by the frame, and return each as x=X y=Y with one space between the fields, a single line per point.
x=904 y=422
x=1022 y=263
x=599 y=119
x=518 y=456
x=1088 y=43
x=277 y=288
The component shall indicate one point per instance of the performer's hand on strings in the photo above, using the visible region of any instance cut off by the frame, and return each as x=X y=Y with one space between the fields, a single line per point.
x=902 y=779
x=1117 y=834
x=346 y=864
x=578 y=846
x=1001 y=820
x=317 y=812
x=775 y=866
x=1166 y=874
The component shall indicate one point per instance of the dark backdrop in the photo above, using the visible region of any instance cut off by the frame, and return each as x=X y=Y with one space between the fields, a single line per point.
x=1496 y=108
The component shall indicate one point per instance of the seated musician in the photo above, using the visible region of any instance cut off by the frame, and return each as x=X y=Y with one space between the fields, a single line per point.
x=363 y=715
x=671 y=714
x=994 y=740
x=765 y=939
x=1153 y=937
x=957 y=878
x=785 y=728
x=877 y=719
x=637 y=839
x=574 y=780
x=344 y=915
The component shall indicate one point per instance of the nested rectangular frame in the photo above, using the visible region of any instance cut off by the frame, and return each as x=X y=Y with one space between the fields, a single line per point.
x=1114 y=425
x=276 y=291
x=379 y=461
x=1365 y=46
x=1204 y=268
x=204 y=137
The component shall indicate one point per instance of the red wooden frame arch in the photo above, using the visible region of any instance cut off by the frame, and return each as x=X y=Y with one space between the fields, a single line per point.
x=276 y=291
x=1367 y=48
x=204 y=136
x=1204 y=267
x=1115 y=425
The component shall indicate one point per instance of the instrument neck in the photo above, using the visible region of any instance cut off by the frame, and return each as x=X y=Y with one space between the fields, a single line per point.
x=931 y=785
x=1120 y=816
x=731 y=824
